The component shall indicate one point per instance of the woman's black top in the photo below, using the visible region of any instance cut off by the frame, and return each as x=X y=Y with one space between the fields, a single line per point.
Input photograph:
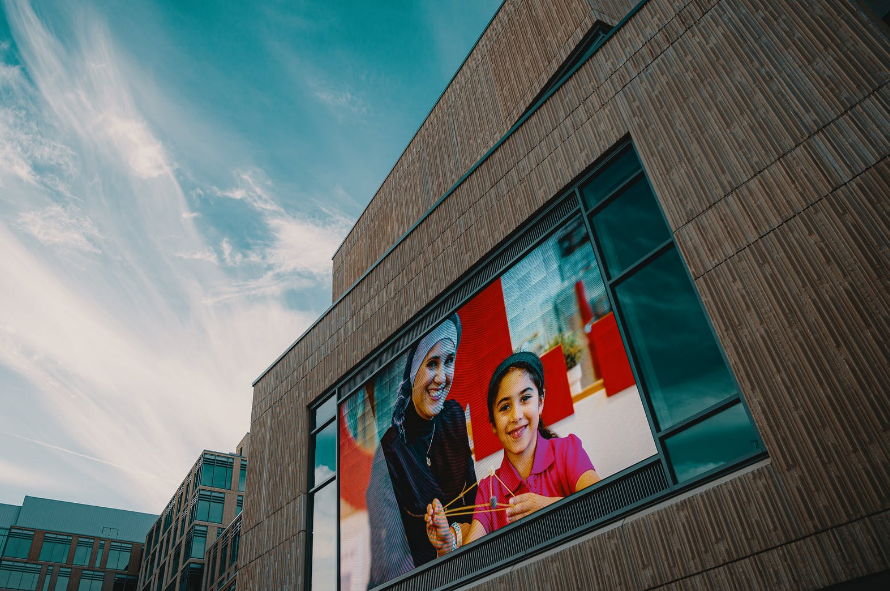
x=415 y=484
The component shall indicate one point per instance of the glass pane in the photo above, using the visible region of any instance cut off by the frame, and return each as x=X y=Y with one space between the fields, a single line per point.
x=324 y=539
x=610 y=178
x=325 y=411
x=630 y=227
x=711 y=443
x=216 y=512
x=325 y=452
x=676 y=352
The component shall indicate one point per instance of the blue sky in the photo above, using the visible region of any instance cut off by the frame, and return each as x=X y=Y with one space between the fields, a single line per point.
x=174 y=179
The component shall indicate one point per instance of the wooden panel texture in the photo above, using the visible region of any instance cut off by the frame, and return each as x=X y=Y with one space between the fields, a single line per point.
x=763 y=126
x=524 y=45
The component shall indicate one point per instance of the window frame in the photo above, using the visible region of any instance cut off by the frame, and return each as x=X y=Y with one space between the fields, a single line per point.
x=359 y=374
x=313 y=488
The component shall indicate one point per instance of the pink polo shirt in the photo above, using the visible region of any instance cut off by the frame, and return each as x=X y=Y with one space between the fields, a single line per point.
x=558 y=465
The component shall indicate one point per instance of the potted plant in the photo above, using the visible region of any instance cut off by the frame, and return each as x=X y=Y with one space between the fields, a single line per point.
x=571 y=350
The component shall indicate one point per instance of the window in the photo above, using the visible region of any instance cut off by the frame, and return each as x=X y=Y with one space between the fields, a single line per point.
x=47 y=577
x=82 y=551
x=99 y=553
x=610 y=275
x=323 y=497
x=697 y=411
x=119 y=556
x=242 y=476
x=239 y=505
x=91 y=580
x=223 y=554
x=176 y=554
x=209 y=506
x=4 y=533
x=191 y=578
x=196 y=542
x=19 y=576
x=236 y=541
x=124 y=582
x=62 y=579
x=216 y=471
x=18 y=543
x=212 y=563
x=168 y=517
x=55 y=548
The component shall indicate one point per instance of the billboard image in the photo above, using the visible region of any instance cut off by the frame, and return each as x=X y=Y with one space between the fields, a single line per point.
x=522 y=397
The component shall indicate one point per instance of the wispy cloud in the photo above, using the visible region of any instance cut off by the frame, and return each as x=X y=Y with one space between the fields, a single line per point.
x=253 y=187
x=298 y=250
x=343 y=101
x=62 y=227
x=124 y=341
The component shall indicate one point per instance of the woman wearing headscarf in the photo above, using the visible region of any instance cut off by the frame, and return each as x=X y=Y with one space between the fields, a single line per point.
x=426 y=454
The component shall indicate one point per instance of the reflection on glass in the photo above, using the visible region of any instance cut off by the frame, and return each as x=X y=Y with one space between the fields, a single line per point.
x=324 y=539
x=711 y=443
x=610 y=178
x=325 y=453
x=325 y=411
x=629 y=227
x=676 y=352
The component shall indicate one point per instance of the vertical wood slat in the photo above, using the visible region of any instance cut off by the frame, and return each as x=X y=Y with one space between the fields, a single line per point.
x=770 y=163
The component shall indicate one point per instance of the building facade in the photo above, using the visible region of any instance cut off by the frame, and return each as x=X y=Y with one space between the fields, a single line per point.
x=200 y=512
x=221 y=567
x=687 y=199
x=48 y=545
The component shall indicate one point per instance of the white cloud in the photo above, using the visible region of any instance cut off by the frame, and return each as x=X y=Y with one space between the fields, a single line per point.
x=304 y=246
x=253 y=187
x=62 y=227
x=142 y=151
x=27 y=155
x=208 y=255
x=343 y=101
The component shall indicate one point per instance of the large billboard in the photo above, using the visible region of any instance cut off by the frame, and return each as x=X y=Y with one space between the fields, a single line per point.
x=522 y=397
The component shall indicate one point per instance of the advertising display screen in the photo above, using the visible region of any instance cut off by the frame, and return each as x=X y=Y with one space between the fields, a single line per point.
x=522 y=397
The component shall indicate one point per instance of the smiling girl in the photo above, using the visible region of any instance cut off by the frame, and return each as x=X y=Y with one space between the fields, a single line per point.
x=538 y=469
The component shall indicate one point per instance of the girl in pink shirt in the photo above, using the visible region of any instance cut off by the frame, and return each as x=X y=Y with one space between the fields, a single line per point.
x=538 y=469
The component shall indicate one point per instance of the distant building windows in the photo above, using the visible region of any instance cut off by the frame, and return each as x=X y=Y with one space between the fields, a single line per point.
x=4 y=533
x=242 y=476
x=19 y=576
x=212 y=564
x=49 y=575
x=222 y=556
x=216 y=471
x=239 y=505
x=124 y=582
x=236 y=542
x=55 y=548
x=82 y=552
x=18 y=543
x=196 y=542
x=191 y=578
x=209 y=506
x=99 y=554
x=91 y=580
x=119 y=556
x=62 y=579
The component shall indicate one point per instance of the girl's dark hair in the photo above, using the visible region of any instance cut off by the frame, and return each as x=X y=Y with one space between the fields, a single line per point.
x=529 y=363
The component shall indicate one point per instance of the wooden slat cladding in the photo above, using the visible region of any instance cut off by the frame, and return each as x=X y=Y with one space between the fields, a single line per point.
x=763 y=126
x=524 y=45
